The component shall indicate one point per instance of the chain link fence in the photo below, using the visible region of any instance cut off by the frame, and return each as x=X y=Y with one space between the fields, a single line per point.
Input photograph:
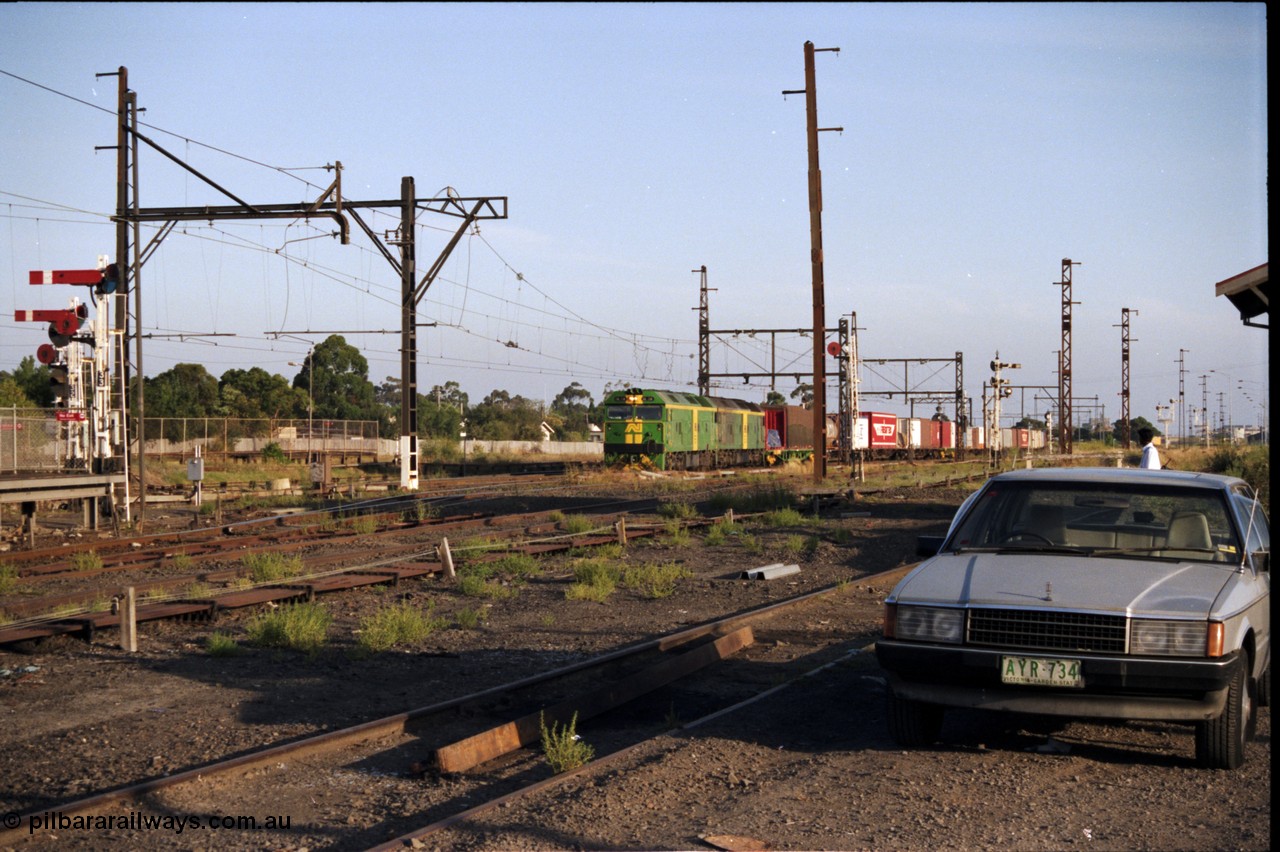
x=34 y=440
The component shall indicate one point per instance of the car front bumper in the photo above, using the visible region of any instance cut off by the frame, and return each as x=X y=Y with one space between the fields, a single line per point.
x=1115 y=687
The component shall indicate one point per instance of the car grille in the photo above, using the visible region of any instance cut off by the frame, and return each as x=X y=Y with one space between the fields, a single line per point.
x=1047 y=630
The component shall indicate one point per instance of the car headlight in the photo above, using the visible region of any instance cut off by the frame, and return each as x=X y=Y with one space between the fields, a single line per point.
x=929 y=624
x=1168 y=638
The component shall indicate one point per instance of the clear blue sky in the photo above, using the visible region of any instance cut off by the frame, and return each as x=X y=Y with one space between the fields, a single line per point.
x=982 y=144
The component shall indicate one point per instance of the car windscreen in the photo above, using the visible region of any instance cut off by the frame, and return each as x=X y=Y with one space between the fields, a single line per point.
x=1103 y=518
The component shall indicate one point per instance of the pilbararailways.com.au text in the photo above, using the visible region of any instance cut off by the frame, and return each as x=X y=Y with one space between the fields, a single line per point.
x=135 y=821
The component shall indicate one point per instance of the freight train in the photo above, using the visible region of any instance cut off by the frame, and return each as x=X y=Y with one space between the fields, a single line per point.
x=676 y=430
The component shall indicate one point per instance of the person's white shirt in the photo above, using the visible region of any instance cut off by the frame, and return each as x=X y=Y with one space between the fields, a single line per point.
x=1150 y=457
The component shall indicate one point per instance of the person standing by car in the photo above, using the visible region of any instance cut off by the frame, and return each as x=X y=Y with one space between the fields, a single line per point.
x=1150 y=455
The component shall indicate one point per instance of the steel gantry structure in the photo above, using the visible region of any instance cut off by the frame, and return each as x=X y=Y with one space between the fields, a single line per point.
x=130 y=255
x=1124 y=375
x=1064 y=371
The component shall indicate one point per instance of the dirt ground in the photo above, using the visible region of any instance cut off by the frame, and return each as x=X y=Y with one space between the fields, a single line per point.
x=812 y=767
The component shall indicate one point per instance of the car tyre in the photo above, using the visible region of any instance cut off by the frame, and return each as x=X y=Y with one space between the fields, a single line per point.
x=1220 y=741
x=913 y=724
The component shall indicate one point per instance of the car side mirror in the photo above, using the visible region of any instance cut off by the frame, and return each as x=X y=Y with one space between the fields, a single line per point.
x=1262 y=560
x=929 y=545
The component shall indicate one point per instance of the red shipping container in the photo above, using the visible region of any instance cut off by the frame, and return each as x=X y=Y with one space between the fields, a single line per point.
x=882 y=430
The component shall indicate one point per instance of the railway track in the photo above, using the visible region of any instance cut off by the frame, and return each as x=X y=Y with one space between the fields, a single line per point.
x=390 y=782
x=400 y=536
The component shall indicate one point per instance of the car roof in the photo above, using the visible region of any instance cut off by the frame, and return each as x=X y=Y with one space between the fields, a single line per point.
x=1121 y=475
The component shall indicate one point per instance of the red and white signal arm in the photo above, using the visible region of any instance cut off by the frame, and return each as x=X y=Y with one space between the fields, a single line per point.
x=833 y=349
x=89 y=277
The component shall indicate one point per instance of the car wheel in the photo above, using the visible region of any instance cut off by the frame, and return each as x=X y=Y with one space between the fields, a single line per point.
x=1220 y=741
x=913 y=723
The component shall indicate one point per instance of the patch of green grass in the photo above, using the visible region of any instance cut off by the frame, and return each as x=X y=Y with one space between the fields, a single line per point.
x=563 y=748
x=363 y=525
x=801 y=545
x=577 y=524
x=8 y=578
x=268 y=566
x=221 y=645
x=678 y=534
x=400 y=624
x=750 y=543
x=787 y=517
x=764 y=497
x=298 y=627
x=655 y=581
x=86 y=560
x=473 y=584
x=516 y=565
x=678 y=510
x=470 y=619
x=719 y=532
x=181 y=562
x=595 y=580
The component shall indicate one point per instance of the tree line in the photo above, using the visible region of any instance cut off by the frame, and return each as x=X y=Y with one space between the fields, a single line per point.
x=332 y=383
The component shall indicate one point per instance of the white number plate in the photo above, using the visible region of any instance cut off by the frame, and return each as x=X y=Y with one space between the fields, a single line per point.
x=1040 y=671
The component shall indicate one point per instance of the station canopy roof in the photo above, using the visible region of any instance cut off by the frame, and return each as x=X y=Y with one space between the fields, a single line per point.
x=1248 y=291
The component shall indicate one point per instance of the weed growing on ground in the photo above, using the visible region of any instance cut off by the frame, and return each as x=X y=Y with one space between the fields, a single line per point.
x=801 y=545
x=678 y=511
x=267 y=567
x=595 y=580
x=8 y=578
x=719 y=532
x=564 y=749
x=86 y=560
x=677 y=534
x=299 y=627
x=763 y=498
x=577 y=524
x=401 y=624
x=750 y=543
x=655 y=581
x=221 y=645
x=785 y=518
x=515 y=565
x=364 y=525
x=470 y=619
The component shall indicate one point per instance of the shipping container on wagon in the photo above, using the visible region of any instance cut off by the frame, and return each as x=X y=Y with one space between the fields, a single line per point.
x=908 y=433
x=977 y=438
x=875 y=431
x=946 y=434
x=1037 y=439
x=788 y=427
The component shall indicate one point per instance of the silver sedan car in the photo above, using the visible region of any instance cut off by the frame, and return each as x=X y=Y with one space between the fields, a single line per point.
x=1090 y=593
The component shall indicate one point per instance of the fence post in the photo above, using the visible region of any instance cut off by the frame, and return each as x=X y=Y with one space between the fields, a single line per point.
x=129 y=621
x=446 y=557
x=621 y=527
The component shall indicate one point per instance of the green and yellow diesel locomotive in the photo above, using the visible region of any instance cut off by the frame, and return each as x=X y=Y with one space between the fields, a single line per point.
x=672 y=430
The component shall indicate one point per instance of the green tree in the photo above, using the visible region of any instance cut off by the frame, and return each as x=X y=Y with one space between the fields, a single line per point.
x=342 y=389
x=804 y=393
x=775 y=398
x=502 y=417
x=11 y=393
x=185 y=390
x=255 y=393
x=34 y=381
x=1135 y=424
x=571 y=412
